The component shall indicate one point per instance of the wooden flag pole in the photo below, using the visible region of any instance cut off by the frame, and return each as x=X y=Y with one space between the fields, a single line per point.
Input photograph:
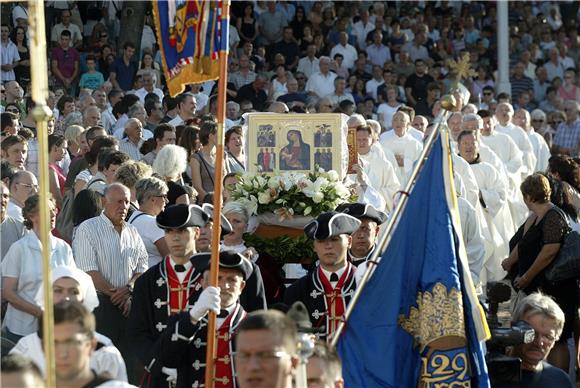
x=41 y=114
x=217 y=204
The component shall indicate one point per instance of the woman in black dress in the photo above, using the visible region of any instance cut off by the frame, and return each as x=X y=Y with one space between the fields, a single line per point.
x=22 y=69
x=246 y=24
x=534 y=246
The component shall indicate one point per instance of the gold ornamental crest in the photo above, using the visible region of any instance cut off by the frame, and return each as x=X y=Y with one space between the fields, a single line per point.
x=437 y=321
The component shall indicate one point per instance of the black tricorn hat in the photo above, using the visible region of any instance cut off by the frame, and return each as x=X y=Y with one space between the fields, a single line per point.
x=331 y=224
x=224 y=223
x=362 y=210
x=228 y=260
x=182 y=216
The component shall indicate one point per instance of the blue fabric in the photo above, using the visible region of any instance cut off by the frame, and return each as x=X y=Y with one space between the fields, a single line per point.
x=375 y=350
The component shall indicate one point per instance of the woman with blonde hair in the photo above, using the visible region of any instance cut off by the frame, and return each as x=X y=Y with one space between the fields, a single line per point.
x=73 y=138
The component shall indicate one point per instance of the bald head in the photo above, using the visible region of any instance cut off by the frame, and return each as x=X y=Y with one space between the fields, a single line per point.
x=116 y=203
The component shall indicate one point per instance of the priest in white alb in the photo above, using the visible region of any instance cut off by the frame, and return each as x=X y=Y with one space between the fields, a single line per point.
x=539 y=145
x=406 y=148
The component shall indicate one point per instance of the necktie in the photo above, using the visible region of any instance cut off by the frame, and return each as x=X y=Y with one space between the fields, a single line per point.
x=179 y=268
x=334 y=277
x=223 y=314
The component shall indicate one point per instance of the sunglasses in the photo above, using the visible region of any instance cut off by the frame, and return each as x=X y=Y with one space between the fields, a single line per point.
x=537 y=121
x=12 y=111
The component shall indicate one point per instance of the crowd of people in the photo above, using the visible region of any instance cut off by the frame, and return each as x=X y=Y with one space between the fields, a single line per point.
x=131 y=177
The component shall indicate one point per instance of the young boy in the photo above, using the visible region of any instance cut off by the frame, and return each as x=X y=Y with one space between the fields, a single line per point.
x=92 y=79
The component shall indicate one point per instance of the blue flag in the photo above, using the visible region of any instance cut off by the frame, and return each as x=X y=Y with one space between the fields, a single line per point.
x=418 y=322
x=190 y=35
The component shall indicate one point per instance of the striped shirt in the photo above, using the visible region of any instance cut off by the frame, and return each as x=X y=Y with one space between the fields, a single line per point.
x=128 y=147
x=97 y=246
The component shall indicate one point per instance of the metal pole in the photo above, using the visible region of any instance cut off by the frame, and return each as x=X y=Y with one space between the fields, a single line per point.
x=503 y=55
x=41 y=114
x=217 y=205
x=447 y=105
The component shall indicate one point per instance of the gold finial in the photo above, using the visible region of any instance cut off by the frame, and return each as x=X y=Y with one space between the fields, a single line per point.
x=448 y=102
x=461 y=68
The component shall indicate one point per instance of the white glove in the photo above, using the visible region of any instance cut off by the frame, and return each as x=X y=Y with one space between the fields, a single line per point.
x=209 y=300
x=171 y=374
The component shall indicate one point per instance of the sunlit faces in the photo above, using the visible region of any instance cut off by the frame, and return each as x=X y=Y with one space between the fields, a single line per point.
x=181 y=241
x=72 y=350
x=468 y=147
x=116 y=204
x=364 y=141
x=66 y=289
x=332 y=251
x=364 y=238
x=15 y=155
x=231 y=284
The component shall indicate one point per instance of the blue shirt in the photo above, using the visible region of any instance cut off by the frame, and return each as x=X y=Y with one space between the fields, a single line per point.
x=125 y=74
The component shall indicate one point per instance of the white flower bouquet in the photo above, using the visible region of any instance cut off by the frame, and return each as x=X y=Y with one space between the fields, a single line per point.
x=291 y=194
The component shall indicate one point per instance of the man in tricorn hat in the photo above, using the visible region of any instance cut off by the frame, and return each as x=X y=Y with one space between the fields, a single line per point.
x=183 y=344
x=364 y=239
x=327 y=289
x=167 y=288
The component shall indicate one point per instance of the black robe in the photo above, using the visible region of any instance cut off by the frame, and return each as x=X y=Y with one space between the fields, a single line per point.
x=150 y=312
x=183 y=346
x=310 y=291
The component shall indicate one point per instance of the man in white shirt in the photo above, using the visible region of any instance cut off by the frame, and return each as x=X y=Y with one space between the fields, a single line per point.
x=377 y=80
x=362 y=28
x=10 y=56
x=149 y=82
x=539 y=145
x=346 y=50
x=244 y=75
x=406 y=148
x=186 y=107
x=339 y=94
x=378 y=53
x=322 y=83
x=309 y=64
x=65 y=24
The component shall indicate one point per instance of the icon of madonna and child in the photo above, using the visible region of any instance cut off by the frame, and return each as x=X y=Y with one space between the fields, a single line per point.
x=295 y=155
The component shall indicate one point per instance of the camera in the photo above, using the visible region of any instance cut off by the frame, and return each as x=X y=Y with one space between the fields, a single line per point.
x=503 y=369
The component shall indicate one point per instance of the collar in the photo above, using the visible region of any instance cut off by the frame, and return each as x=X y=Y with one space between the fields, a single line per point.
x=338 y=272
x=109 y=222
x=477 y=160
x=365 y=257
x=33 y=242
x=187 y=265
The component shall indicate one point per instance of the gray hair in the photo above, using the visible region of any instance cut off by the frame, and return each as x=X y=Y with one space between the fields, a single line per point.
x=136 y=107
x=238 y=208
x=473 y=117
x=171 y=161
x=538 y=114
x=538 y=303
x=116 y=186
x=150 y=187
x=73 y=118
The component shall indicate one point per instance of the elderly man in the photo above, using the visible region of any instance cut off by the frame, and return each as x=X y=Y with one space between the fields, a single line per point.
x=327 y=289
x=113 y=254
x=504 y=114
x=324 y=368
x=23 y=184
x=567 y=137
x=547 y=320
x=539 y=145
x=493 y=200
x=365 y=237
x=169 y=287
x=321 y=84
x=149 y=82
x=346 y=50
x=401 y=143
x=133 y=139
x=91 y=116
x=184 y=343
x=270 y=338
x=309 y=64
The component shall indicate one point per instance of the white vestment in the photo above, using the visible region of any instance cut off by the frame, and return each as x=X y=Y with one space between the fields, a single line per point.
x=522 y=140
x=472 y=238
x=406 y=146
x=541 y=150
x=381 y=175
x=493 y=189
x=461 y=167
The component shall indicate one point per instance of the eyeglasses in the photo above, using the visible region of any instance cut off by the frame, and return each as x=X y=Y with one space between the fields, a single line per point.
x=71 y=343
x=244 y=357
x=28 y=185
x=164 y=196
x=12 y=110
x=537 y=121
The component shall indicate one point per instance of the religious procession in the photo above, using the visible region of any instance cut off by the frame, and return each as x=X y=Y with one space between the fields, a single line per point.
x=290 y=194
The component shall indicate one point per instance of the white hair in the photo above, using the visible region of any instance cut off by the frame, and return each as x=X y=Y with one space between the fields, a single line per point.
x=538 y=303
x=171 y=161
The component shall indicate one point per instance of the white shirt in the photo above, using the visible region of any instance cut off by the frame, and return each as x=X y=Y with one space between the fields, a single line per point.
x=131 y=149
x=118 y=257
x=24 y=262
x=462 y=168
x=348 y=52
x=9 y=55
x=506 y=150
x=308 y=67
x=416 y=134
x=372 y=85
x=338 y=99
x=201 y=100
x=75 y=32
x=106 y=359
x=150 y=233
x=141 y=93
x=320 y=84
x=386 y=113
x=472 y=238
x=361 y=31
x=14 y=211
x=177 y=120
